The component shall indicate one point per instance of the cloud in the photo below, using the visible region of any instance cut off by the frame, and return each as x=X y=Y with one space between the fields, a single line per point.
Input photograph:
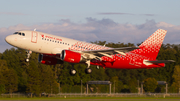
x=98 y=30
x=63 y=15
x=119 y=13
x=115 y=13
x=148 y=14
x=11 y=13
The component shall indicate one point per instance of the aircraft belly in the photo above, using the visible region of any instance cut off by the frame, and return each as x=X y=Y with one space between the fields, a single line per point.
x=123 y=64
x=126 y=62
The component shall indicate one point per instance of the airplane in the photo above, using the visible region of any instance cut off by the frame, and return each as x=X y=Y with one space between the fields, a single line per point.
x=56 y=50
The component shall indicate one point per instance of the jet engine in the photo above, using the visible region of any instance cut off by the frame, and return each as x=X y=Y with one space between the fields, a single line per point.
x=71 y=57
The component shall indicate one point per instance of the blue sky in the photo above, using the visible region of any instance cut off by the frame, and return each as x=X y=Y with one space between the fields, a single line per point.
x=91 y=20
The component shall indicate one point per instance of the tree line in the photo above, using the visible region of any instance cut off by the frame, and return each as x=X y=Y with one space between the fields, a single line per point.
x=32 y=77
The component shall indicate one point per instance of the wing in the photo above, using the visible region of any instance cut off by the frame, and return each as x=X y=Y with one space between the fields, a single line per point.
x=93 y=54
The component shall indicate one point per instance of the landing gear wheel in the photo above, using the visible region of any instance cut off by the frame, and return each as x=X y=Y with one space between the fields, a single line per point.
x=27 y=60
x=88 y=70
x=72 y=71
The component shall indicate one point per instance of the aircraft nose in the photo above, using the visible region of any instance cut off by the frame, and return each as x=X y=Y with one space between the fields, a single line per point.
x=8 y=39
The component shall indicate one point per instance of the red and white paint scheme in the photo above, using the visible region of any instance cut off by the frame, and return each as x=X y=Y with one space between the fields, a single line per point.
x=55 y=49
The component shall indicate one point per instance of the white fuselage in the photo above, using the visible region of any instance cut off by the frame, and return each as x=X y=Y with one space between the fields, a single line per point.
x=46 y=43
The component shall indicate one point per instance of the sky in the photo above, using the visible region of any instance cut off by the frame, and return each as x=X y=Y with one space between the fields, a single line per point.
x=125 y=21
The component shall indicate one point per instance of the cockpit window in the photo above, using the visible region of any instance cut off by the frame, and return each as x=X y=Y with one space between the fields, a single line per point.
x=19 y=33
x=16 y=33
x=23 y=34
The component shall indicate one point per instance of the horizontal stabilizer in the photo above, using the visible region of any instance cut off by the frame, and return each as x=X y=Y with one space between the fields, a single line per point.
x=161 y=61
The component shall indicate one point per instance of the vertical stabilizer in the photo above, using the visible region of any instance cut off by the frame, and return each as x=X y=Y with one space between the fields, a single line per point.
x=151 y=46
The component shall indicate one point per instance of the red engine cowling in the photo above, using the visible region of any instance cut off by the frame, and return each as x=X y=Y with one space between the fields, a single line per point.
x=70 y=56
x=47 y=59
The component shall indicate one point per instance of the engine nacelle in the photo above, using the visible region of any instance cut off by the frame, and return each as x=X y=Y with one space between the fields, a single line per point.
x=47 y=59
x=71 y=57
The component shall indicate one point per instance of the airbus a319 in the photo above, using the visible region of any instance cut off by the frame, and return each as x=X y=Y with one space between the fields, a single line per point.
x=56 y=49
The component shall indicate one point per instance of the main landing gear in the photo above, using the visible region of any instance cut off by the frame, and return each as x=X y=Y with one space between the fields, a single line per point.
x=72 y=71
x=88 y=70
x=28 y=55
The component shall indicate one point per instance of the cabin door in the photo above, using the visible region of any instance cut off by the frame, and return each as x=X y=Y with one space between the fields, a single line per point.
x=34 y=37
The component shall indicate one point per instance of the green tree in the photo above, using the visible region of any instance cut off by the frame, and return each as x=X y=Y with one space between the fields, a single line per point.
x=117 y=85
x=176 y=76
x=133 y=85
x=150 y=84
x=2 y=89
x=3 y=66
x=48 y=82
x=34 y=79
x=11 y=83
x=2 y=84
x=15 y=59
x=3 y=80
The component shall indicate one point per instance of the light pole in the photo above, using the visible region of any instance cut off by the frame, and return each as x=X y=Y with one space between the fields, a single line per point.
x=138 y=86
x=179 y=83
x=59 y=87
x=81 y=86
x=114 y=86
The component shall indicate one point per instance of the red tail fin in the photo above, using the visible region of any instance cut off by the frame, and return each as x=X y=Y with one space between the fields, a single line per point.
x=151 y=46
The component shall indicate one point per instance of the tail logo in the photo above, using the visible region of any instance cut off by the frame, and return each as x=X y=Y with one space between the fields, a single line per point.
x=151 y=46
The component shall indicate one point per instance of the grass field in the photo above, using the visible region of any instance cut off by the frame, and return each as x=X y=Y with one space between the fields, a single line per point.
x=92 y=99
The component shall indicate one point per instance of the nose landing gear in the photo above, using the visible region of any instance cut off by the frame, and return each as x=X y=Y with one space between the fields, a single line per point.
x=28 y=55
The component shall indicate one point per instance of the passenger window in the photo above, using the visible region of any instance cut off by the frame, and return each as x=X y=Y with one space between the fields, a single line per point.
x=19 y=33
x=47 y=39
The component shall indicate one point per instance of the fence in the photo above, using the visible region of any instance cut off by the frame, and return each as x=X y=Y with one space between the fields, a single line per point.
x=60 y=95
